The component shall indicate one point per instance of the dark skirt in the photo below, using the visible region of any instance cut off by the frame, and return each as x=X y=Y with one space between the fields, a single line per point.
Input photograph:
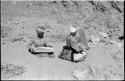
x=67 y=53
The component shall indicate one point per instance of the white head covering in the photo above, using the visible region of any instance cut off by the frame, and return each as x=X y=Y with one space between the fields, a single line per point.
x=39 y=30
x=72 y=29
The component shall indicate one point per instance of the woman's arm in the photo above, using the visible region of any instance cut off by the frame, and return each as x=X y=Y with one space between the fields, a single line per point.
x=46 y=44
x=30 y=43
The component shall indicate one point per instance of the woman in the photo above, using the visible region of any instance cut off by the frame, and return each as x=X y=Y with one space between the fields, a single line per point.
x=39 y=45
x=74 y=50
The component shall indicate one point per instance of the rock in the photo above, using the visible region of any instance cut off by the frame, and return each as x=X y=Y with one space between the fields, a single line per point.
x=80 y=75
x=112 y=41
x=121 y=38
x=88 y=73
x=119 y=45
x=103 y=34
x=98 y=6
x=94 y=39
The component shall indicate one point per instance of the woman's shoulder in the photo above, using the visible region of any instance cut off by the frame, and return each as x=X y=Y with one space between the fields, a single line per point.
x=68 y=36
x=34 y=39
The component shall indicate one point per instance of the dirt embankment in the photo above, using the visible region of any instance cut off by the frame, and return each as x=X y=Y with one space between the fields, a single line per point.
x=19 y=20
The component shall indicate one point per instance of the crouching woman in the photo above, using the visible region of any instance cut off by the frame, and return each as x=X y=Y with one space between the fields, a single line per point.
x=39 y=45
x=74 y=50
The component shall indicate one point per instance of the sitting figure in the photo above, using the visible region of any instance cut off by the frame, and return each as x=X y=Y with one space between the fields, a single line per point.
x=75 y=47
x=39 y=46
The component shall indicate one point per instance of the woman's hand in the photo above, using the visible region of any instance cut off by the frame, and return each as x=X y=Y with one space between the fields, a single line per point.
x=31 y=49
x=83 y=47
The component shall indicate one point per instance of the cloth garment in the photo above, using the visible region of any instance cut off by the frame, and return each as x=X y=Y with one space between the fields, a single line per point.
x=66 y=54
x=74 y=43
x=79 y=56
x=43 y=49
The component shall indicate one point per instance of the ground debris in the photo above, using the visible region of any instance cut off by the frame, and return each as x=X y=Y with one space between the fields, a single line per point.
x=94 y=73
x=88 y=73
x=10 y=70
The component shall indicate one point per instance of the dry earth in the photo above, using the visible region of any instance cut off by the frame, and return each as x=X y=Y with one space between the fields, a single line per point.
x=18 y=23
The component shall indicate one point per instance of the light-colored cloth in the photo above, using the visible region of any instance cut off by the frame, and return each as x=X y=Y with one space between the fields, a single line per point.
x=79 y=56
x=43 y=49
x=78 y=42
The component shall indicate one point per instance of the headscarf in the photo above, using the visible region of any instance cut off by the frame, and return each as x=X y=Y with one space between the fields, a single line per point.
x=72 y=29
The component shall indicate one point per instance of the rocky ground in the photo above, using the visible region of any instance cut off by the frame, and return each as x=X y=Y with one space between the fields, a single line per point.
x=103 y=24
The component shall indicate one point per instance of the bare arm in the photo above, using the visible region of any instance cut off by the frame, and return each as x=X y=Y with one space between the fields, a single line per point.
x=67 y=41
x=46 y=44
x=30 y=43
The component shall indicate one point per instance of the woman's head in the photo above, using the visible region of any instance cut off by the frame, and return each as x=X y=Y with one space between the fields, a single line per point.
x=40 y=32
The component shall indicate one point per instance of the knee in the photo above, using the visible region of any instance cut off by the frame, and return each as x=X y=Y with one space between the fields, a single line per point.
x=52 y=49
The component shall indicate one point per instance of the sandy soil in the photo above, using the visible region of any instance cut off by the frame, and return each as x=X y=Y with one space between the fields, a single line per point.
x=18 y=25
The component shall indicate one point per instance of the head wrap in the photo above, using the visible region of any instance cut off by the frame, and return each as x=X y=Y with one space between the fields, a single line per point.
x=72 y=29
x=39 y=30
